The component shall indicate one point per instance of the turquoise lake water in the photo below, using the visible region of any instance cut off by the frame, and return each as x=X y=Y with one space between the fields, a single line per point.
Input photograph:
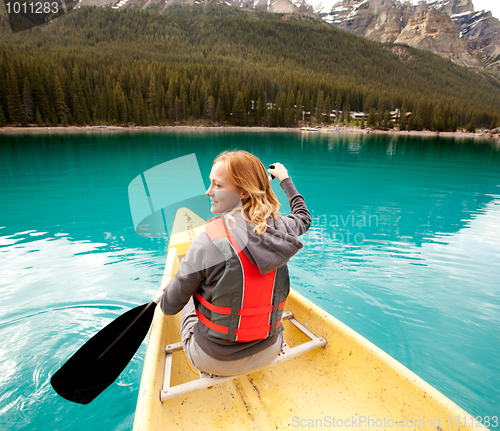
x=404 y=248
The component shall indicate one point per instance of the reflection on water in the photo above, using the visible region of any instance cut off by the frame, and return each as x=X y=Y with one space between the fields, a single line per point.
x=404 y=248
x=55 y=293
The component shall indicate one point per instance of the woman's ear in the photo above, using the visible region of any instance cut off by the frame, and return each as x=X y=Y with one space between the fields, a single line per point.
x=244 y=195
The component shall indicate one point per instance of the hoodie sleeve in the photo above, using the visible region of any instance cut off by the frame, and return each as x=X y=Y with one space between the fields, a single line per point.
x=187 y=279
x=300 y=218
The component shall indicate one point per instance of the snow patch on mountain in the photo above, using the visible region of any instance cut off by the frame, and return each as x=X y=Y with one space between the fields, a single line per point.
x=322 y=6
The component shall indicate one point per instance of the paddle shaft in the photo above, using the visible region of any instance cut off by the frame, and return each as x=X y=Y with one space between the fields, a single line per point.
x=272 y=176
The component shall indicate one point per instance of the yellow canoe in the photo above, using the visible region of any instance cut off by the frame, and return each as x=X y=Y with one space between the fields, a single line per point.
x=348 y=383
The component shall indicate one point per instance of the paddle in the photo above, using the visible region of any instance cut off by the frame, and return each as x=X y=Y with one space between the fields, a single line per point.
x=101 y=360
x=271 y=175
x=98 y=363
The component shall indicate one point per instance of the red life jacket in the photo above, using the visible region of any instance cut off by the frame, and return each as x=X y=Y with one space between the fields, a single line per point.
x=246 y=305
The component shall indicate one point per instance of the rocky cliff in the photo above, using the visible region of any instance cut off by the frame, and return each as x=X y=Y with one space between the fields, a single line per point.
x=481 y=32
x=478 y=29
x=433 y=30
x=450 y=28
x=379 y=20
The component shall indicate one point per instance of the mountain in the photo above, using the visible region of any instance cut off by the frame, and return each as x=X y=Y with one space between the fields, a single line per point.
x=450 y=28
x=279 y=6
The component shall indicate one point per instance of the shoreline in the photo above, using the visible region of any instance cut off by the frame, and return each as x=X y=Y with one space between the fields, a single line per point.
x=12 y=130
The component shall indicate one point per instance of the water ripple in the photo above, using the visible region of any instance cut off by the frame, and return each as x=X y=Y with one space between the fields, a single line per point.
x=14 y=318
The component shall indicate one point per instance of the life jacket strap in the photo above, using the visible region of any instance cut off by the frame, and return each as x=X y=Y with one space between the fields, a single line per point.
x=212 y=325
x=252 y=311
x=212 y=307
x=242 y=332
x=216 y=228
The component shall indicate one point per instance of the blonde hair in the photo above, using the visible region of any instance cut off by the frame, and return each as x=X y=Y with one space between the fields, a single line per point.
x=248 y=173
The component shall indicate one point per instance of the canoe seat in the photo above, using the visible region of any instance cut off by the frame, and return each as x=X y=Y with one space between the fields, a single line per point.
x=207 y=380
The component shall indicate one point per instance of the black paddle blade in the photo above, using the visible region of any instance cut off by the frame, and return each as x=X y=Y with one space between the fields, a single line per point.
x=101 y=360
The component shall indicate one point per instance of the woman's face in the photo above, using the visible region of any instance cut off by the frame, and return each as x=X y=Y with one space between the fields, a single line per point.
x=223 y=193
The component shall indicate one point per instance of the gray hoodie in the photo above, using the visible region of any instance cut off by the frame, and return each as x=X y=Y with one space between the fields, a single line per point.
x=203 y=265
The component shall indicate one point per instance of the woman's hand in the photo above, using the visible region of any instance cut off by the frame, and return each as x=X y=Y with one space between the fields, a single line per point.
x=279 y=171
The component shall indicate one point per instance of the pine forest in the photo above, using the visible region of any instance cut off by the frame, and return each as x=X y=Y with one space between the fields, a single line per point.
x=217 y=65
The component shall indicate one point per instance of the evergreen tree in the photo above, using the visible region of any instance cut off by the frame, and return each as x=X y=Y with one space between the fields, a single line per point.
x=28 y=101
x=38 y=118
x=415 y=121
x=471 y=127
x=62 y=109
x=153 y=101
x=183 y=103
x=144 y=119
x=281 y=109
x=290 y=110
x=80 y=111
x=194 y=104
x=453 y=123
x=121 y=106
x=347 y=113
x=177 y=110
x=402 y=118
x=259 y=111
x=112 y=116
x=269 y=120
x=202 y=103
x=135 y=117
x=320 y=101
x=218 y=112
x=14 y=104
x=369 y=103
x=494 y=123
x=328 y=110
x=380 y=115
x=372 y=118
x=224 y=100
x=239 y=114
x=426 y=110
x=438 y=123
x=3 y=121
x=169 y=100
x=338 y=107
x=299 y=108
x=39 y=94
x=210 y=111
x=386 y=120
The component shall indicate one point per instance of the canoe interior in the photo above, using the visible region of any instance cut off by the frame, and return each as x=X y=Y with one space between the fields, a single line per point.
x=350 y=383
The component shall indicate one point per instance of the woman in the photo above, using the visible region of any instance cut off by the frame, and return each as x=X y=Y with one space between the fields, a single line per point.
x=233 y=282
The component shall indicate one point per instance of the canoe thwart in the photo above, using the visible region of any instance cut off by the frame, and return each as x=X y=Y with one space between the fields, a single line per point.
x=208 y=380
x=171 y=348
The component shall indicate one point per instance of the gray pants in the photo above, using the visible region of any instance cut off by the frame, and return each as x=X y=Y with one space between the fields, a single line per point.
x=207 y=364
